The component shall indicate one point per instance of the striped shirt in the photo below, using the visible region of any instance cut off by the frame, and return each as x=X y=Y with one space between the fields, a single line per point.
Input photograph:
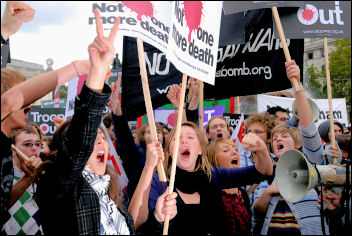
x=306 y=213
x=283 y=221
x=312 y=145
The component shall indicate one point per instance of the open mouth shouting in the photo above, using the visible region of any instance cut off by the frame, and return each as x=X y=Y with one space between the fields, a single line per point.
x=219 y=135
x=185 y=153
x=101 y=157
x=234 y=161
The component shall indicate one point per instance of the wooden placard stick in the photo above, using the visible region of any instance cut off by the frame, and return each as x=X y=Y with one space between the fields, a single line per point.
x=175 y=151
x=201 y=105
x=19 y=152
x=328 y=83
x=148 y=103
x=238 y=105
x=283 y=42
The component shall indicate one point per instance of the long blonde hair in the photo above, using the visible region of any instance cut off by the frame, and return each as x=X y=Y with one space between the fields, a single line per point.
x=213 y=149
x=202 y=162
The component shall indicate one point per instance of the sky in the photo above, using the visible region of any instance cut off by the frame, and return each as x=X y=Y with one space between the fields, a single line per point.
x=59 y=31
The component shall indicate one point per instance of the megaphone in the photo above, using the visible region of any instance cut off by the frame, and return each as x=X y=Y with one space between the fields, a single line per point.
x=313 y=106
x=295 y=176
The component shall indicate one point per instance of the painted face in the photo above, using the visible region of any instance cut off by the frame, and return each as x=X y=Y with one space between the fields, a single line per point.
x=227 y=155
x=99 y=156
x=258 y=129
x=283 y=142
x=29 y=144
x=189 y=149
x=281 y=118
x=148 y=136
x=218 y=129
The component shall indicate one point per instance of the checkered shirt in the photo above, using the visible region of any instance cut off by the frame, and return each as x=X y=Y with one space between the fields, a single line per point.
x=24 y=213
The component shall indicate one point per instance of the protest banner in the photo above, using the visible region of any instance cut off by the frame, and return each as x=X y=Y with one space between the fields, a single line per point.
x=318 y=19
x=148 y=20
x=50 y=103
x=167 y=116
x=308 y=17
x=257 y=66
x=264 y=102
x=194 y=38
x=253 y=68
x=231 y=7
x=234 y=119
x=44 y=118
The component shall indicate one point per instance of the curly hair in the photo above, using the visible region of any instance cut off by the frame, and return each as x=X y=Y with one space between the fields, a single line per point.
x=264 y=118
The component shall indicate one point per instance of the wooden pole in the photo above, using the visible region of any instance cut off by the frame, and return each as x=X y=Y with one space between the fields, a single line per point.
x=328 y=83
x=19 y=152
x=201 y=105
x=238 y=105
x=283 y=42
x=175 y=151
x=148 y=103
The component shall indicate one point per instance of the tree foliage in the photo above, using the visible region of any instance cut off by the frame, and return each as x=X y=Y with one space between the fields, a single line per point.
x=340 y=73
x=63 y=91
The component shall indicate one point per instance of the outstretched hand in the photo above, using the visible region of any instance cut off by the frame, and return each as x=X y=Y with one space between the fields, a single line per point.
x=101 y=54
x=15 y=14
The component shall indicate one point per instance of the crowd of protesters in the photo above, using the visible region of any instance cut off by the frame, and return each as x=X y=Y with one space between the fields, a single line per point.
x=64 y=185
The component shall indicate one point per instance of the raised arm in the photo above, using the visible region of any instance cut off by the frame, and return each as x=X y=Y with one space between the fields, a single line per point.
x=79 y=139
x=15 y=14
x=139 y=204
x=129 y=152
x=32 y=89
x=303 y=108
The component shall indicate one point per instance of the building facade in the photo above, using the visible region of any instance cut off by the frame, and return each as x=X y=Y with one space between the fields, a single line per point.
x=29 y=70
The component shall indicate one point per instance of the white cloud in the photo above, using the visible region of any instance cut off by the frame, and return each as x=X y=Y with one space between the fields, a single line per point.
x=61 y=33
